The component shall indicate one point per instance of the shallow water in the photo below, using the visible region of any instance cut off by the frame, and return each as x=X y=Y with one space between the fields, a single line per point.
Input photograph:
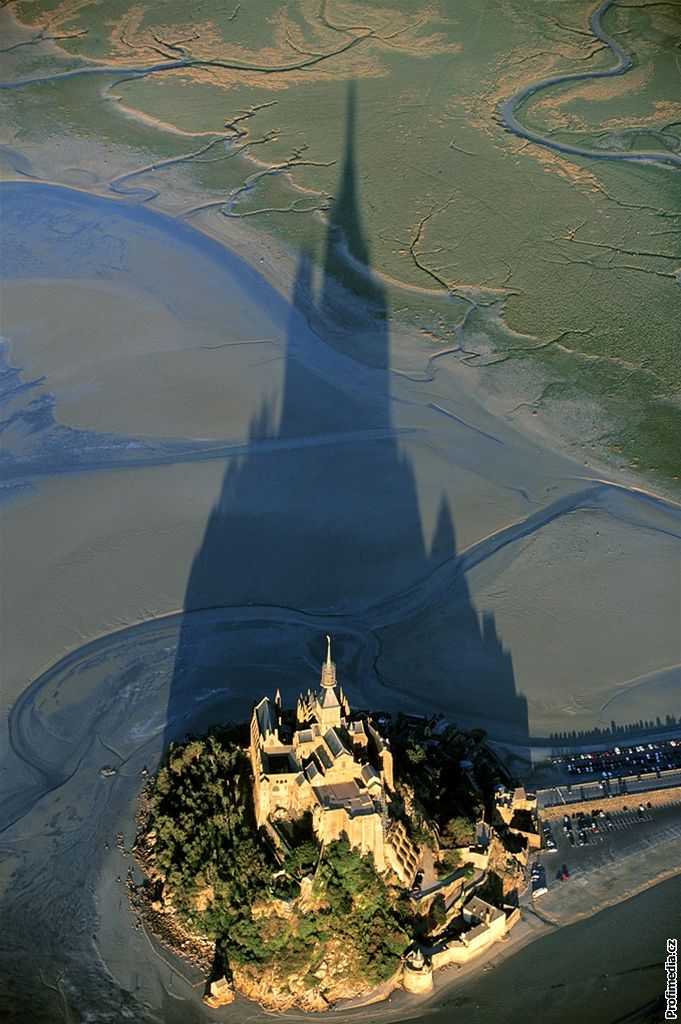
x=594 y=971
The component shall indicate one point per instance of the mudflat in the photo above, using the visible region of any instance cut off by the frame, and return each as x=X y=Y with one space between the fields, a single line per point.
x=227 y=435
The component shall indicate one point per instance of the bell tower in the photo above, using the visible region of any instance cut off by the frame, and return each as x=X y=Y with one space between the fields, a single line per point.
x=328 y=705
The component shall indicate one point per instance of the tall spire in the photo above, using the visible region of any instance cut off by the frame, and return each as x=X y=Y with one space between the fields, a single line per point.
x=328 y=669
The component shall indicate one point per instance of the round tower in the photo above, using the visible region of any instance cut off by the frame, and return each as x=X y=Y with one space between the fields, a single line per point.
x=417 y=976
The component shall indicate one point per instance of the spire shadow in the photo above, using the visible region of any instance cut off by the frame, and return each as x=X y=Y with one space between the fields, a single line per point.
x=319 y=522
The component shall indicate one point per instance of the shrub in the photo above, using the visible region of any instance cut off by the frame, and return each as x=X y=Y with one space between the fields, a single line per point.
x=207 y=844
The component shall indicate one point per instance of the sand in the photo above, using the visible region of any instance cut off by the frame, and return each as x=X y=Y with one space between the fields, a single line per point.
x=215 y=455
x=461 y=564
x=437 y=502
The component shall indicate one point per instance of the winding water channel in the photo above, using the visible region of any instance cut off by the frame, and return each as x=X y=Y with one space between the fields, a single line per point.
x=509 y=109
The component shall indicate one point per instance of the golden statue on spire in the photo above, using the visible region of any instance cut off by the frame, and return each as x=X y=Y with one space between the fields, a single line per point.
x=328 y=669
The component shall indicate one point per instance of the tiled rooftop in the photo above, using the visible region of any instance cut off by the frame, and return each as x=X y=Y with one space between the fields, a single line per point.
x=345 y=795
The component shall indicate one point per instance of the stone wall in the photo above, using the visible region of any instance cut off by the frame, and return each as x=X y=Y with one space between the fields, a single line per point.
x=365 y=832
x=400 y=853
x=381 y=992
x=512 y=918
x=614 y=803
x=475 y=942
x=533 y=839
x=458 y=952
x=452 y=892
x=471 y=855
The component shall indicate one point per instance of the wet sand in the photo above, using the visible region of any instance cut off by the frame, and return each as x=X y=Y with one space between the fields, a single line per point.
x=86 y=935
x=566 y=566
x=208 y=469
x=448 y=552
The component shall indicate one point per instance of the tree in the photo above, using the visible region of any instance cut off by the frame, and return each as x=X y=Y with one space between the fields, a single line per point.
x=449 y=861
x=438 y=913
x=459 y=831
x=217 y=870
x=302 y=858
x=416 y=753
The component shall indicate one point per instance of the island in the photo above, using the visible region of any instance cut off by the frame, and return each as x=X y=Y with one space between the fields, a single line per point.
x=326 y=855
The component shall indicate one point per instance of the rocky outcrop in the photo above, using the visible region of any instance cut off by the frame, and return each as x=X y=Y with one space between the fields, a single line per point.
x=162 y=921
x=334 y=981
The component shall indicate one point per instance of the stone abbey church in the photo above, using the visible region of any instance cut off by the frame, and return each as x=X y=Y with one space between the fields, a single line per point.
x=338 y=768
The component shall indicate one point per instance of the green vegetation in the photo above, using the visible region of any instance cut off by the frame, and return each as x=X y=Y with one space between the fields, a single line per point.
x=578 y=255
x=448 y=861
x=350 y=914
x=446 y=791
x=206 y=843
x=459 y=831
x=224 y=881
x=360 y=908
x=302 y=859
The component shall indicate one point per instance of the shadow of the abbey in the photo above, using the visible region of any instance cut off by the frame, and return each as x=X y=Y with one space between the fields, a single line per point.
x=319 y=528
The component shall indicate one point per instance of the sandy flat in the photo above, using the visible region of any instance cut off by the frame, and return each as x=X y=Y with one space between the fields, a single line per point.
x=523 y=594
x=210 y=468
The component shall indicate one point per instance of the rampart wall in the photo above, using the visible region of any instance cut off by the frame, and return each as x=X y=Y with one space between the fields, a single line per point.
x=614 y=803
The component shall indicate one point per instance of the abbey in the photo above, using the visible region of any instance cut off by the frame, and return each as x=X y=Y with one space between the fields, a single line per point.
x=339 y=768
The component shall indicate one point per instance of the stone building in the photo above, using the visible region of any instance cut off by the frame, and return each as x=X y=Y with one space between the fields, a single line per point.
x=508 y=803
x=338 y=768
x=485 y=923
x=518 y=812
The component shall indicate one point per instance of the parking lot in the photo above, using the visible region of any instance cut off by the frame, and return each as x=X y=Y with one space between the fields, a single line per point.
x=616 y=834
x=640 y=758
